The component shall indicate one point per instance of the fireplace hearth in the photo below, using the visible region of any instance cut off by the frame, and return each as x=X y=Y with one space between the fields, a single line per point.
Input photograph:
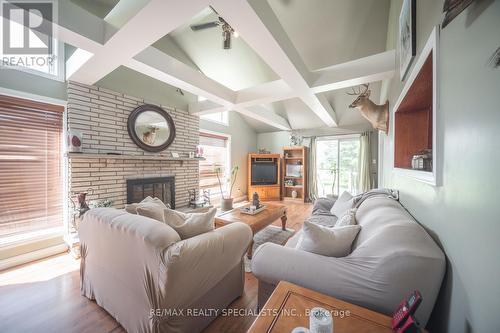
x=159 y=187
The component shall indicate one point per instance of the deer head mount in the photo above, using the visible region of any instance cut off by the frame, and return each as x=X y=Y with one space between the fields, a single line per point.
x=377 y=115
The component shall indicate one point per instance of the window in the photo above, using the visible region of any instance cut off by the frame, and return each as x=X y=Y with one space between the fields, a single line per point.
x=30 y=169
x=337 y=162
x=219 y=117
x=216 y=153
x=28 y=45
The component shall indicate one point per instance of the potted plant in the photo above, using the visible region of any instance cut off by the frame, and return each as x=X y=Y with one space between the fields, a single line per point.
x=227 y=202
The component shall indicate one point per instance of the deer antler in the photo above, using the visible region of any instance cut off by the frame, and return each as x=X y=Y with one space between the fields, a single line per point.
x=366 y=88
x=354 y=92
x=359 y=92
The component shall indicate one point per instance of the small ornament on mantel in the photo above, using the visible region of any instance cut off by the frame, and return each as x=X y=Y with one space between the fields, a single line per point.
x=264 y=151
x=74 y=141
x=199 y=151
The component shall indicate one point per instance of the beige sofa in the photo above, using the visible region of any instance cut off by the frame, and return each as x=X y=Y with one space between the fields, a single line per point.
x=140 y=271
x=391 y=256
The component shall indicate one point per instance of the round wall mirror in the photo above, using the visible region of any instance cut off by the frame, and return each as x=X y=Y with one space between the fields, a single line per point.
x=151 y=128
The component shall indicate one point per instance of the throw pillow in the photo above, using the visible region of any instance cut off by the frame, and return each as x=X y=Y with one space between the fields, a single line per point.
x=343 y=203
x=349 y=218
x=132 y=208
x=152 y=208
x=330 y=242
x=190 y=225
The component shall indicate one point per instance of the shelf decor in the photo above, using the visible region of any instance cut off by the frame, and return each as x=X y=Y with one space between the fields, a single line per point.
x=414 y=121
x=295 y=173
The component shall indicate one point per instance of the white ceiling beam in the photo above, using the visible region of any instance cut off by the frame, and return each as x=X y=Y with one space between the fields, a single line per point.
x=206 y=107
x=153 y=21
x=123 y=11
x=264 y=93
x=180 y=75
x=266 y=116
x=364 y=70
x=260 y=28
x=183 y=76
x=88 y=33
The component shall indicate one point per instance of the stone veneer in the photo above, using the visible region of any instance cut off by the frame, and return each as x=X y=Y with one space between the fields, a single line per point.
x=101 y=115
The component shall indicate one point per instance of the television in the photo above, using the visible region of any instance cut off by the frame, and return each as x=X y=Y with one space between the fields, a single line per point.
x=264 y=173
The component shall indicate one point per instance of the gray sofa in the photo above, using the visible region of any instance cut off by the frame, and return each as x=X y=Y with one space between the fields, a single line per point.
x=132 y=264
x=391 y=256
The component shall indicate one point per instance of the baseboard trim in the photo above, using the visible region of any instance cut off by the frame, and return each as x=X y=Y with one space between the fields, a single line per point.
x=32 y=256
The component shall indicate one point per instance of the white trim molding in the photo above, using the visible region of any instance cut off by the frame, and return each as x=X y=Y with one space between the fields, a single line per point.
x=32 y=97
x=433 y=177
x=32 y=256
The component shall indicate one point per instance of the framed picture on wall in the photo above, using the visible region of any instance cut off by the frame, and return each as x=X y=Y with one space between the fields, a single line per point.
x=407 y=36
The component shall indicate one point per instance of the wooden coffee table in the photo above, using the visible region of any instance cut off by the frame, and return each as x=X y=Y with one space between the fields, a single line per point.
x=256 y=222
x=287 y=306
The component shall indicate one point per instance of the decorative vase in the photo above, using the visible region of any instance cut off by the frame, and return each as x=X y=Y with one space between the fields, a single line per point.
x=226 y=204
x=294 y=194
x=255 y=200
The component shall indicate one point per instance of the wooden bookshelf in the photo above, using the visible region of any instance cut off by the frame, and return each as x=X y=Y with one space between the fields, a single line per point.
x=294 y=160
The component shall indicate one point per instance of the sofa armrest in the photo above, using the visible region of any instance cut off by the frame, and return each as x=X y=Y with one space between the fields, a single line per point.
x=195 y=265
x=338 y=277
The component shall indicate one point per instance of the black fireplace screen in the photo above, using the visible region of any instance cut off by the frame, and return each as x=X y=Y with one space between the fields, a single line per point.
x=162 y=188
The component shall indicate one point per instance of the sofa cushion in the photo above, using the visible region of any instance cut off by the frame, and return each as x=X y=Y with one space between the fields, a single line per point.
x=322 y=206
x=152 y=208
x=343 y=203
x=324 y=220
x=349 y=218
x=190 y=225
x=331 y=242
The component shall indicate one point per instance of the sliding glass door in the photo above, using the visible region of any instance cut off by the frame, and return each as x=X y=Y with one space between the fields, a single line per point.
x=337 y=161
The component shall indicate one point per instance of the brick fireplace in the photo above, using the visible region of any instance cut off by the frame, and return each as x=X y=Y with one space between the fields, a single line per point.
x=101 y=115
x=162 y=188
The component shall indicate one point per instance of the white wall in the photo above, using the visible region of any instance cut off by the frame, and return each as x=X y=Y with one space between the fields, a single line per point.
x=273 y=141
x=463 y=214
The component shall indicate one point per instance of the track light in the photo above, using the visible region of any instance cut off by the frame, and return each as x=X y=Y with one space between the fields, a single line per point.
x=227 y=32
x=226 y=40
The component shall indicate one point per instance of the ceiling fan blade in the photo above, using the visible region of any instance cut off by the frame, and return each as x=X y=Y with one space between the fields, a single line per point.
x=207 y=25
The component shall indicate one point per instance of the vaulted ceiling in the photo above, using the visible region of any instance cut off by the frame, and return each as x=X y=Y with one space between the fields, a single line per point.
x=288 y=69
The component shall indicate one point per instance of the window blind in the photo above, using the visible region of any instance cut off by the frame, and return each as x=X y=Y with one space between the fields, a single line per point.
x=30 y=166
x=215 y=153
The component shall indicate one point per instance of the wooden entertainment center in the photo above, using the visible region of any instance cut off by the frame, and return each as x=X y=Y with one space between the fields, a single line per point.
x=258 y=165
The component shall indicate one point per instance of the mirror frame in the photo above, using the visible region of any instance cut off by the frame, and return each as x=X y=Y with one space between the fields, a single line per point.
x=132 y=118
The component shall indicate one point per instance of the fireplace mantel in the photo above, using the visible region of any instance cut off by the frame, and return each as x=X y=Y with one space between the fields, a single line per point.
x=132 y=157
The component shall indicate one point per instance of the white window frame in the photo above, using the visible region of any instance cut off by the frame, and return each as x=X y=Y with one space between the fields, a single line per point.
x=339 y=138
x=228 y=153
x=226 y=123
x=60 y=58
x=61 y=74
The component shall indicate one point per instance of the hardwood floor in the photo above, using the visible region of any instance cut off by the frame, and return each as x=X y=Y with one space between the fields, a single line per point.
x=44 y=296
